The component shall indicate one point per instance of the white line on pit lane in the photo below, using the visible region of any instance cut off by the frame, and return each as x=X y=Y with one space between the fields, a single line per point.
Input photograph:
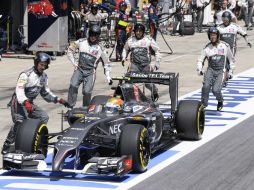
x=49 y=187
x=185 y=147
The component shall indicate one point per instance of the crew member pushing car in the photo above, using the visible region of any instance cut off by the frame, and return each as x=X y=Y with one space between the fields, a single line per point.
x=31 y=83
x=90 y=53
x=216 y=52
x=140 y=47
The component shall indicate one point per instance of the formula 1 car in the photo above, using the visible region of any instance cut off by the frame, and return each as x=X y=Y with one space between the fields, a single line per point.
x=111 y=144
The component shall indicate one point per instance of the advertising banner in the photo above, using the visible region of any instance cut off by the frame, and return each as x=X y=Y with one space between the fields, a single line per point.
x=47 y=25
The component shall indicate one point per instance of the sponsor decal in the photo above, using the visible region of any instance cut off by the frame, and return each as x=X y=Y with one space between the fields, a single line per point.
x=231 y=30
x=114 y=129
x=77 y=129
x=238 y=106
x=21 y=83
x=91 y=107
x=151 y=75
x=42 y=81
x=143 y=43
x=44 y=45
x=137 y=108
x=94 y=52
x=221 y=51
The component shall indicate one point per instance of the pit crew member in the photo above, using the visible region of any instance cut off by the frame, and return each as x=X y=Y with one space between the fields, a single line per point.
x=216 y=52
x=90 y=54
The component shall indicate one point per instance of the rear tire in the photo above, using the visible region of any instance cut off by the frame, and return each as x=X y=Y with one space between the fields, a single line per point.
x=32 y=137
x=190 y=119
x=134 y=141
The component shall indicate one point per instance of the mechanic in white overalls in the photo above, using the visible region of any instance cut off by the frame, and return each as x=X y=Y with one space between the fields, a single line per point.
x=30 y=84
x=94 y=17
x=140 y=47
x=216 y=52
x=228 y=33
x=223 y=8
x=90 y=54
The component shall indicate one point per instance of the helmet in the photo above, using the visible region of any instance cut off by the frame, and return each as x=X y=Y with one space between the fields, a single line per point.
x=95 y=30
x=114 y=105
x=213 y=30
x=94 y=8
x=226 y=15
x=141 y=27
x=122 y=5
x=41 y=57
x=154 y=2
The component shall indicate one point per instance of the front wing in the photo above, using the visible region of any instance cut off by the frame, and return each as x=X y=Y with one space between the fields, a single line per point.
x=104 y=166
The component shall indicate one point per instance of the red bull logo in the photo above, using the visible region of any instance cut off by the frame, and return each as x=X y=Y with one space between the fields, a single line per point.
x=42 y=8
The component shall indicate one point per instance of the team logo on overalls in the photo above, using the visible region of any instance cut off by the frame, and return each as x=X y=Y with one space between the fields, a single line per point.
x=221 y=51
x=94 y=52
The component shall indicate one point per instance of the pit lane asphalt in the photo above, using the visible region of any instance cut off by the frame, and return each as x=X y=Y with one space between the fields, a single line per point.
x=225 y=163
x=186 y=50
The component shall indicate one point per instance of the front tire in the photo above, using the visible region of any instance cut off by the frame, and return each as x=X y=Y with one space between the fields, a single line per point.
x=190 y=119
x=32 y=137
x=134 y=141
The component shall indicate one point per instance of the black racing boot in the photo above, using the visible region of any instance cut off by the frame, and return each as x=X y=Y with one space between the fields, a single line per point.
x=8 y=147
x=225 y=83
x=219 y=105
x=9 y=144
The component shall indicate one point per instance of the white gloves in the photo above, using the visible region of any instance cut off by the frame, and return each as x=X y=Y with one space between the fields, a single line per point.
x=199 y=71
x=110 y=82
x=230 y=74
x=157 y=66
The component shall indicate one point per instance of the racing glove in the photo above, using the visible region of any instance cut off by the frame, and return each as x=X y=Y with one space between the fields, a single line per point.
x=200 y=72
x=205 y=4
x=110 y=82
x=230 y=74
x=28 y=106
x=75 y=65
x=123 y=63
x=63 y=102
x=249 y=44
x=156 y=66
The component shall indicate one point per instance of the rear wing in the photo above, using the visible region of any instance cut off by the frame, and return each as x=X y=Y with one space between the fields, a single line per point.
x=170 y=79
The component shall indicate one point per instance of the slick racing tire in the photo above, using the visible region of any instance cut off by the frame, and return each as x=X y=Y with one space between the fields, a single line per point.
x=190 y=119
x=32 y=137
x=134 y=141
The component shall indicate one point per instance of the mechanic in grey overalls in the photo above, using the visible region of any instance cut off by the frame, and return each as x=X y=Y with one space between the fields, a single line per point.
x=30 y=84
x=93 y=17
x=217 y=53
x=228 y=33
x=140 y=47
x=90 y=53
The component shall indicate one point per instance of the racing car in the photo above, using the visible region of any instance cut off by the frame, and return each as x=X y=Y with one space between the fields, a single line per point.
x=100 y=142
